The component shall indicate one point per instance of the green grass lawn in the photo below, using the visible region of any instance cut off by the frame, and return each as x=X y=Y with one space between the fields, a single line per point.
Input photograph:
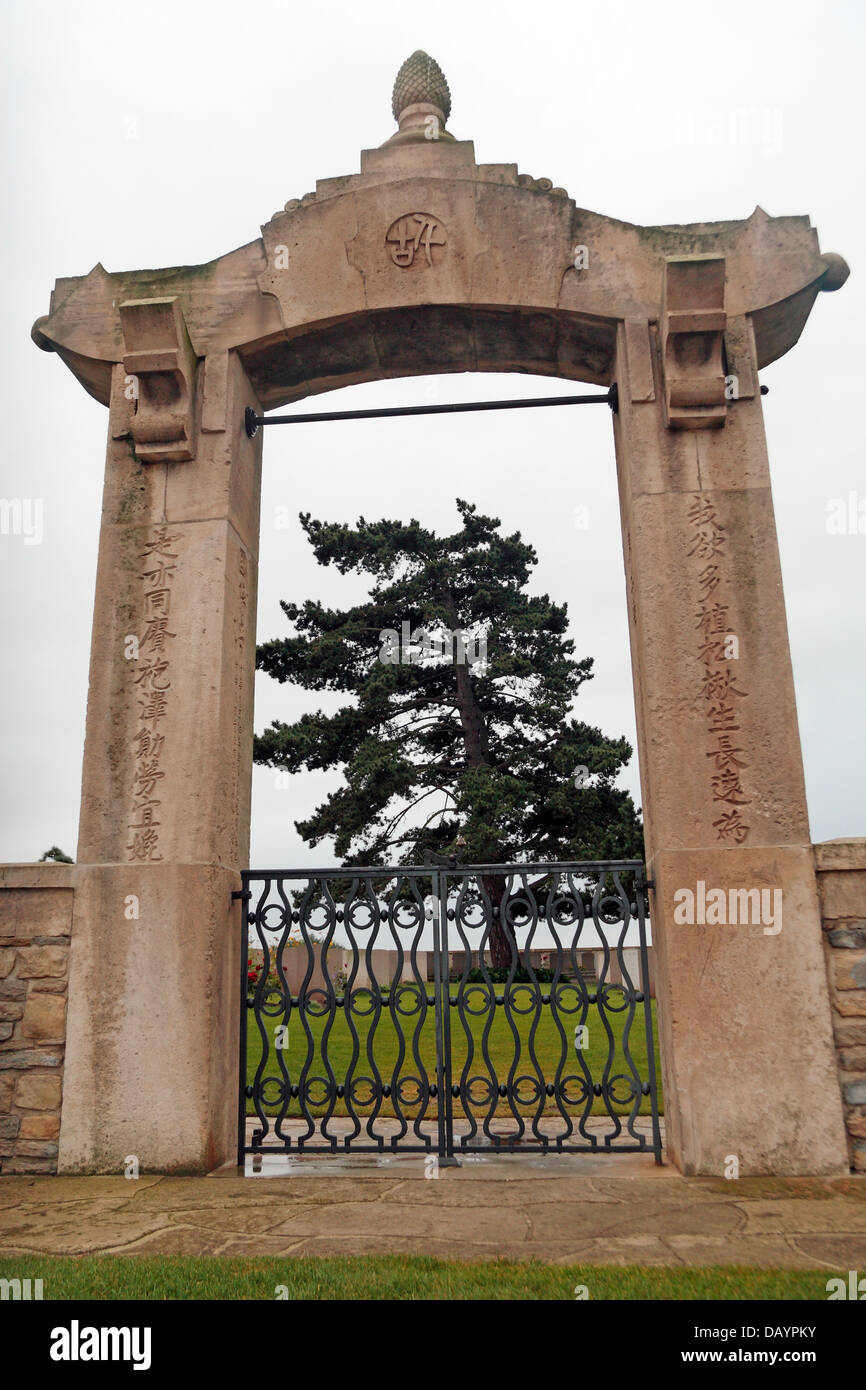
x=384 y=1040
x=396 y=1277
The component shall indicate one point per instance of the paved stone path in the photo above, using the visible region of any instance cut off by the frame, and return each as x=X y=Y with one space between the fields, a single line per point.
x=565 y=1210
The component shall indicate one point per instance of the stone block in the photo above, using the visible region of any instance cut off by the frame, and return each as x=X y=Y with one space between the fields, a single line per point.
x=39 y=1126
x=128 y=1032
x=854 y=1092
x=7 y=961
x=30 y=1165
x=36 y=1148
x=848 y=938
x=27 y=912
x=6 y=1031
x=851 y=1003
x=10 y=1008
x=22 y=1059
x=7 y=1088
x=840 y=854
x=13 y=989
x=853 y=1058
x=44 y=1018
x=842 y=893
x=849 y=970
x=856 y=1122
x=9 y=1126
x=38 y=1092
x=34 y=962
x=716 y=978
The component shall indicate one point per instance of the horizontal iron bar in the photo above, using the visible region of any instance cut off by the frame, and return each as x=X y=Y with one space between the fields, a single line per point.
x=425 y=871
x=555 y=1144
x=252 y=421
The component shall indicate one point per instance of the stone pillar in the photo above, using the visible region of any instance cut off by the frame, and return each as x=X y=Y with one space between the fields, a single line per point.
x=744 y=1017
x=152 y=1034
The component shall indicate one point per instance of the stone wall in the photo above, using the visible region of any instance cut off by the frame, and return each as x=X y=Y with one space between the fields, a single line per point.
x=35 y=925
x=841 y=869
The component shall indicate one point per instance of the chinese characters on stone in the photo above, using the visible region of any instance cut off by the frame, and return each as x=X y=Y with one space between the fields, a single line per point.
x=410 y=233
x=152 y=680
x=718 y=687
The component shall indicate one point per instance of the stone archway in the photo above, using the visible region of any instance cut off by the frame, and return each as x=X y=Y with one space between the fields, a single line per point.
x=428 y=262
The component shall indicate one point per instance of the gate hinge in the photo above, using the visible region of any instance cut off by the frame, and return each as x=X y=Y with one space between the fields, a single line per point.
x=242 y=897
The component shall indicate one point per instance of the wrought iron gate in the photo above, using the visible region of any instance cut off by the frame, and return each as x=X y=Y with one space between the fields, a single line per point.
x=355 y=1049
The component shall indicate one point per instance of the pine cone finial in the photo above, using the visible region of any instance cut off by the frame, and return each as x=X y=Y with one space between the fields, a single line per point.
x=420 y=79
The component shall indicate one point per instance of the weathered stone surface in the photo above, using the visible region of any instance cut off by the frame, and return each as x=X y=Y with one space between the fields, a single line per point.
x=28 y=912
x=123 y=1052
x=29 y=1165
x=856 y=1122
x=35 y=962
x=849 y=937
x=848 y=1032
x=789 y=967
x=855 y=1091
x=40 y=1126
x=47 y=986
x=10 y=1009
x=849 y=970
x=7 y=961
x=9 y=1126
x=24 y=1058
x=851 y=1003
x=843 y=894
x=6 y=1031
x=7 y=1088
x=606 y=1218
x=853 y=1058
x=44 y=1018
x=35 y=1148
x=13 y=989
x=843 y=853
x=38 y=1092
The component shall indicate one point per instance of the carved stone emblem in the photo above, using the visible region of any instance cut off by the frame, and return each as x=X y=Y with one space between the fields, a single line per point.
x=411 y=233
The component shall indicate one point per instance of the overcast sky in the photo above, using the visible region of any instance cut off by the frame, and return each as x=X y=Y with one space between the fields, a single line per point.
x=166 y=134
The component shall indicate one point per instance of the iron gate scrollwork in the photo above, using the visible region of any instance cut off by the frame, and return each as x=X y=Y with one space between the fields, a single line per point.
x=374 y=1021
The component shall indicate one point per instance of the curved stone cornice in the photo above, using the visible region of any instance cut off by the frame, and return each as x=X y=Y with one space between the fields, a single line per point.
x=495 y=264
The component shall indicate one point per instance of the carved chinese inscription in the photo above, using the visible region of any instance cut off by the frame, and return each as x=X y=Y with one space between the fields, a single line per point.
x=414 y=232
x=153 y=681
x=718 y=688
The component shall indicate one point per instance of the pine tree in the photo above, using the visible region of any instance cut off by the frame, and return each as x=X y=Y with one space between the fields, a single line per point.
x=457 y=721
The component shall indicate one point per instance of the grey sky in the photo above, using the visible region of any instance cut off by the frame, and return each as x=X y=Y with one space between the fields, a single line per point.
x=167 y=134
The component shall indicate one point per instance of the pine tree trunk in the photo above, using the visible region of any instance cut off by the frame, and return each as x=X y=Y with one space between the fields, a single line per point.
x=500 y=951
x=477 y=744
